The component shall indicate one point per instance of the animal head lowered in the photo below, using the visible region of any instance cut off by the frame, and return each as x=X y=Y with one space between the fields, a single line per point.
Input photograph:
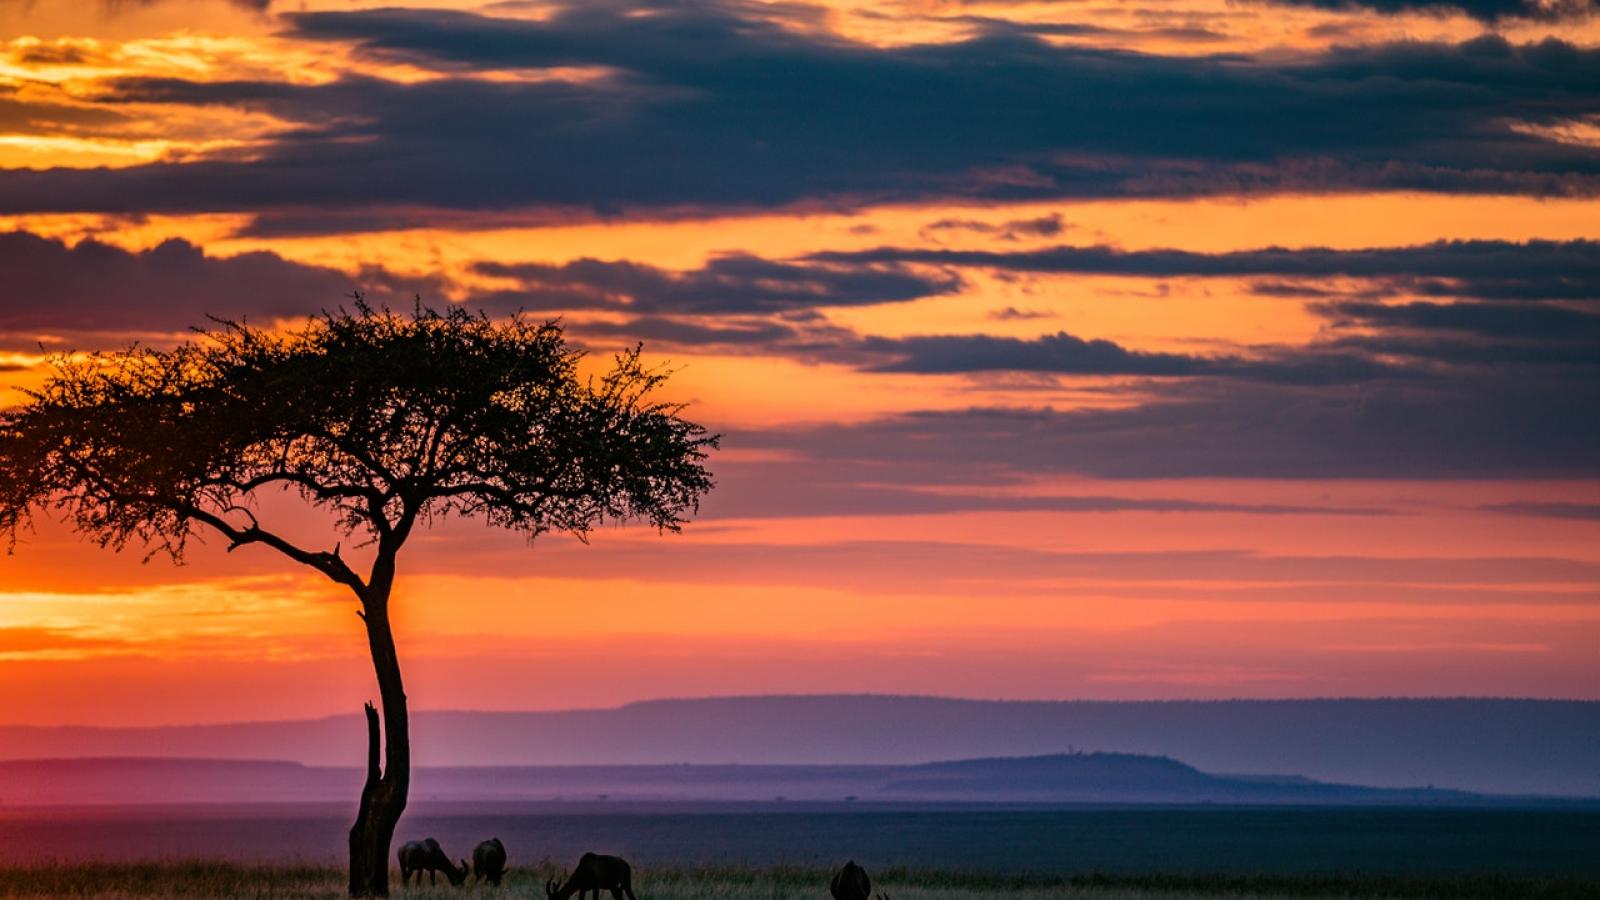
x=426 y=855
x=850 y=883
x=595 y=872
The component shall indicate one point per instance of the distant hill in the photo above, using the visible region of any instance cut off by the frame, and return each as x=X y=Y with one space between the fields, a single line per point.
x=1116 y=778
x=1491 y=746
x=1131 y=778
x=120 y=781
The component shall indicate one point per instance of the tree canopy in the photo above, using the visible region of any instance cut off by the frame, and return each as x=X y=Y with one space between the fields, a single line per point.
x=383 y=419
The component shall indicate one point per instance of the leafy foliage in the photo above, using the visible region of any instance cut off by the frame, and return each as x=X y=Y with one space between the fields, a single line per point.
x=382 y=419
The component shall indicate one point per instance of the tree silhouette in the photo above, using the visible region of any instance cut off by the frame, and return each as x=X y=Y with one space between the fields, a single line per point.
x=383 y=420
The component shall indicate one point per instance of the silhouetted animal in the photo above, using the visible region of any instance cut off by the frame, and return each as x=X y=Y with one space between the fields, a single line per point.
x=595 y=873
x=427 y=856
x=851 y=883
x=489 y=861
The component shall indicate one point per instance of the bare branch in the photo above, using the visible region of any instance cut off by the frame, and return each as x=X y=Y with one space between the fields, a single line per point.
x=328 y=563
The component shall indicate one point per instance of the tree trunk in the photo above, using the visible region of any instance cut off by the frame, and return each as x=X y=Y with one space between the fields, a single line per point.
x=383 y=796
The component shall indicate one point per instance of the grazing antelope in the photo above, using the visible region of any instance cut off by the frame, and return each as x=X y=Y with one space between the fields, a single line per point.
x=427 y=856
x=851 y=883
x=595 y=873
x=489 y=861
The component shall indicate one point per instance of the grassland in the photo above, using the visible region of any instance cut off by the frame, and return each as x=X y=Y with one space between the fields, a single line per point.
x=112 y=881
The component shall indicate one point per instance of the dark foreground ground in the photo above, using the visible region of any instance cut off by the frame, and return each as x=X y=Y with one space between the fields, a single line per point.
x=1073 y=842
x=112 y=881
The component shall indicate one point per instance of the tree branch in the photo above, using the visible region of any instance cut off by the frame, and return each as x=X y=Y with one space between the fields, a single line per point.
x=318 y=489
x=376 y=500
x=329 y=563
x=373 y=772
x=357 y=454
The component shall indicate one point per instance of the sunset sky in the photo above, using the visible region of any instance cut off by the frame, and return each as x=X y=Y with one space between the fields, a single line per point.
x=1159 y=349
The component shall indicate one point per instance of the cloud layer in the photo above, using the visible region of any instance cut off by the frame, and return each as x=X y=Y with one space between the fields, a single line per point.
x=709 y=106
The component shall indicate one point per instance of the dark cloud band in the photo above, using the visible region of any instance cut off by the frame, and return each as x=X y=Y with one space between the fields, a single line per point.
x=1475 y=426
x=1493 y=270
x=1482 y=10
x=96 y=289
x=712 y=106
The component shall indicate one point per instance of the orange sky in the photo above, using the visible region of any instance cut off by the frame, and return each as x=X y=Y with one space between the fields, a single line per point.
x=892 y=516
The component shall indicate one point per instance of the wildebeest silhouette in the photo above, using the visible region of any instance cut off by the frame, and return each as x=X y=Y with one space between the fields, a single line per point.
x=851 y=883
x=489 y=861
x=595 y=873
x=427 y=856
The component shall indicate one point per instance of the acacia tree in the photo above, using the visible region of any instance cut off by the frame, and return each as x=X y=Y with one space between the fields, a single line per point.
x=384 y=421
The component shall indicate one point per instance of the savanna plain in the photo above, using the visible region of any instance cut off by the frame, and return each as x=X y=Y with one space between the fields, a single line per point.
x=912 y=854
x=115 y=881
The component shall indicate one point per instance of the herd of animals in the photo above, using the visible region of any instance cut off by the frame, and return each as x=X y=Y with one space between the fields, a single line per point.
x=594 y=873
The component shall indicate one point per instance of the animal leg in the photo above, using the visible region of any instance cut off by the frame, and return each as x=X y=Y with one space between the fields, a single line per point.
x=627 y=887
x=616 y=893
